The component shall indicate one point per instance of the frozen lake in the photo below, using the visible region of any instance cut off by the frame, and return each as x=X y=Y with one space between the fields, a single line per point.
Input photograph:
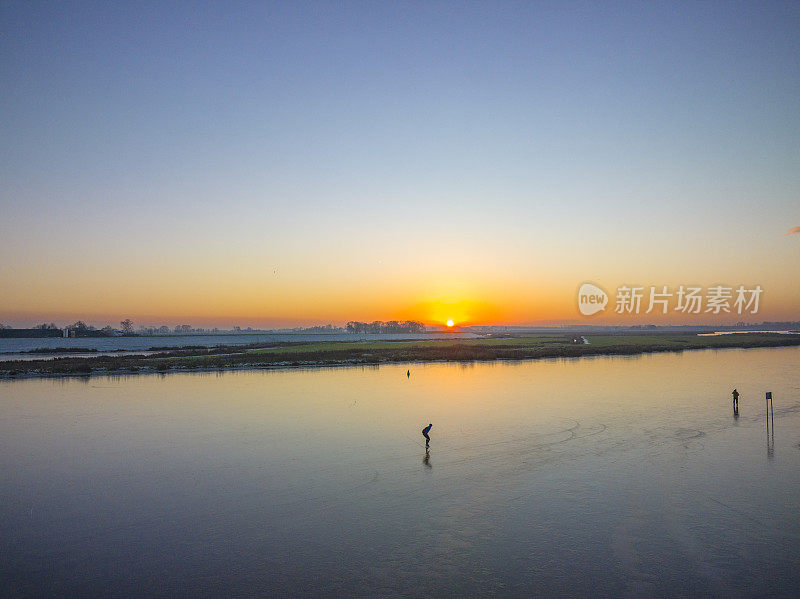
x=612 y=476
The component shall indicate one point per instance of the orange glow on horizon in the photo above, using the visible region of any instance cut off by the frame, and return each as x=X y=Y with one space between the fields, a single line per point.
x=235 y=301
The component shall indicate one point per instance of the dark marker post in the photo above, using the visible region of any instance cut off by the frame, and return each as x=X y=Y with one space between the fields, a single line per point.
x=768 y=398
x=770 y=435
x=770 y=412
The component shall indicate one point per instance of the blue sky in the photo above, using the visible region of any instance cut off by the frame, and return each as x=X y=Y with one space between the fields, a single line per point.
x=426 y=133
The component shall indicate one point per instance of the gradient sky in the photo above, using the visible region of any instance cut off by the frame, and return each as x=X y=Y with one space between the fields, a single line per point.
x=274 y=164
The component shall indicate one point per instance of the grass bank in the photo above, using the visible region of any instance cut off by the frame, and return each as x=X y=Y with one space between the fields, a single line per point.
x=333 y=353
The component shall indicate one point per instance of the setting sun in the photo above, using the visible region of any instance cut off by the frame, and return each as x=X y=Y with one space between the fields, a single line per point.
x=450 y=322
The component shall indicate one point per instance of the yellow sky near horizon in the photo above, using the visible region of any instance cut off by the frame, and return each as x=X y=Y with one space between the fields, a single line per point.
x=281 y=299
x=504 y=275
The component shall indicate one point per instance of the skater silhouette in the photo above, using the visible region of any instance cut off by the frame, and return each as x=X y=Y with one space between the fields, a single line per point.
x=425 y=432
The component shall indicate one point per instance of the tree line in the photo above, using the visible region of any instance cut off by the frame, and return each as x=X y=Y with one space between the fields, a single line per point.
x=378 y=326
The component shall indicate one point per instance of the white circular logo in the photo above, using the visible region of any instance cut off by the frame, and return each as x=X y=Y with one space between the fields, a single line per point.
x=591 y=299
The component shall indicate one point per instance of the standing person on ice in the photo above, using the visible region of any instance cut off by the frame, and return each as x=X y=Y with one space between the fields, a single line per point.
x=425 y=434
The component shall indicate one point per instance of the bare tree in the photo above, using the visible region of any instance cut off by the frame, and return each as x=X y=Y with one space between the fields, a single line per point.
x=127 y=326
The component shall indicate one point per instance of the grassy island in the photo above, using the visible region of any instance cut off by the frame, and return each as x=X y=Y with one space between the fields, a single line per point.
x=336 y=353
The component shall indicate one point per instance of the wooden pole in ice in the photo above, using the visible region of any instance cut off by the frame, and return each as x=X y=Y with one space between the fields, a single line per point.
x=770 y=410
x=767 y=400
x=772 y=414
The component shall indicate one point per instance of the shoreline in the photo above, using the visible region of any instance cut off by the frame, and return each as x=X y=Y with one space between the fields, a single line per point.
x=349 y=354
